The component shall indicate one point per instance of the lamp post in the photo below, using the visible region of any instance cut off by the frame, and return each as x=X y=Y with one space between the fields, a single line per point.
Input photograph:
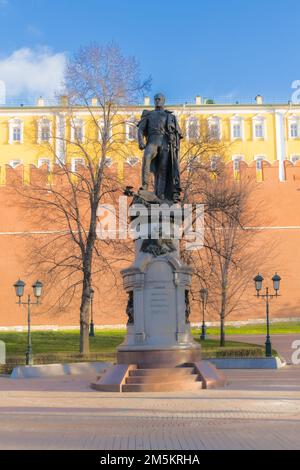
x=37 y=291
x=92 y=330
x=258 y=281
x=203 y=297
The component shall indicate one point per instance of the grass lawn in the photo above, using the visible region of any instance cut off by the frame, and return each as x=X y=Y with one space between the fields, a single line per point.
x=62 y=346
x=106 y=341
x=276 y=329
x=47 y=342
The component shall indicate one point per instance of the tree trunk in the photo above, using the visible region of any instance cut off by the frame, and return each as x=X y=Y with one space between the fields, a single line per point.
x=222 y=331
x=86 y=287
x=222 y=316
x=85 y=316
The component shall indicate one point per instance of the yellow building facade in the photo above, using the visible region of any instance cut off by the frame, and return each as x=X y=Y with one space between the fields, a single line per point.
x=253 y=132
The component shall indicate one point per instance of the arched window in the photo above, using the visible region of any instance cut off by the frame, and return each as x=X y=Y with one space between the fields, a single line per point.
x=192 y=128
x=44 y=130
x=76 y=164
x=214 y=128
x=214 y=162
x=237 y=128
x=259 y=127
x=259 y=159
x=132 y=161
x=77 y=130
x=15 y=163
x=293 y=123
x=131 y=130
x=295 y=158
x=16 y=131
x=44 y=161
x=236 y=161
x=102 y=131
x=108 y=161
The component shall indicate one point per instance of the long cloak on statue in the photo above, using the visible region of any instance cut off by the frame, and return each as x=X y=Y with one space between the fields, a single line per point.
x=173 y=135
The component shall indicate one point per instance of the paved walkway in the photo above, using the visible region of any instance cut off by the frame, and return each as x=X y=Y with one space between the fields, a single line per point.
x=258 y=410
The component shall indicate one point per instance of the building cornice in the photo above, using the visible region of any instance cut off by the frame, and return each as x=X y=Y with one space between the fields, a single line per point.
x=203 y=108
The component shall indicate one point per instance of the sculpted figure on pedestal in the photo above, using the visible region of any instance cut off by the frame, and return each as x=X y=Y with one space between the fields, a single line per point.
x=159 y=136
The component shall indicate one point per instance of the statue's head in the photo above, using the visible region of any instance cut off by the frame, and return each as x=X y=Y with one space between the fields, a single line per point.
x=159 y=100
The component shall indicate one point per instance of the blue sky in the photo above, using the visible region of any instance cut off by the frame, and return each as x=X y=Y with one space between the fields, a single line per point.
x=233 y=49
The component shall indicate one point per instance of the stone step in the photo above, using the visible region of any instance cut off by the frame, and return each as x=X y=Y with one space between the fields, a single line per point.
x=163 y=366
x=145 y=379
x=163 y=372
x=163 y=387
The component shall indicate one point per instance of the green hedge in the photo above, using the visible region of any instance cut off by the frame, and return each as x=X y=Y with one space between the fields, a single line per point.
x=63 y=357
x=234 y=352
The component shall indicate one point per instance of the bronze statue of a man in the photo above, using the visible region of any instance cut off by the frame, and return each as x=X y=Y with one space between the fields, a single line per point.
x=161 y=130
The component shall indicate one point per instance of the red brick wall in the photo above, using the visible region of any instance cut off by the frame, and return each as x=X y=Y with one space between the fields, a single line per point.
x=280 y=202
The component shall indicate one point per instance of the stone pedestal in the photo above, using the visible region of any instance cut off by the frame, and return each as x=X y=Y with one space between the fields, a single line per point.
x=158 y=353
x=158 y=332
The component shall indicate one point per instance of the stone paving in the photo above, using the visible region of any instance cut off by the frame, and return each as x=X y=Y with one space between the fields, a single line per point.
x=258 y=410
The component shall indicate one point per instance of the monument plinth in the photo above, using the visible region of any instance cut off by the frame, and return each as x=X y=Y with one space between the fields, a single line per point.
x=158 y=330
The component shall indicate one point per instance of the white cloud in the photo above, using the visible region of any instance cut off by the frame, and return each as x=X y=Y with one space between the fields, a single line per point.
x=32 y=72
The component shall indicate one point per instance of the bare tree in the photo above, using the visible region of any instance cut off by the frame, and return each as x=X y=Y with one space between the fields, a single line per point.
x=101 y=81
x=231 y=258
x=231 y=250
x=230 y=253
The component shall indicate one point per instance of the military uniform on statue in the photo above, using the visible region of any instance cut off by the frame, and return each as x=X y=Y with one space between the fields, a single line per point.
x=161 y=156
x=158 y=353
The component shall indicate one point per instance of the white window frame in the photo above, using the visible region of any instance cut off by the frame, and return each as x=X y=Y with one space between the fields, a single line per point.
x=132 y=122
x=77 y=122
x=133 y=160
x=293 y=121
x=108 y=162
x=237 y=121
x=236 y=159
x=259 y=158
x=189 y=121
x=44 y=161
x=16 y=130
x=214 y=162
x=259 y=121
x=100 y=124
x=215 y=121
x=295 y=158
x=42 y=122
x=13 y=124
x=258 y=126
x=77 y=161
x=236 y=131
x=15 y=163
x=195 y=158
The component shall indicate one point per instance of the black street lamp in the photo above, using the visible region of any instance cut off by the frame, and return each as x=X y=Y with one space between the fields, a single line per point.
x=92 y=330
x=203 y=297
x=258 y=281
x=37 y=291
